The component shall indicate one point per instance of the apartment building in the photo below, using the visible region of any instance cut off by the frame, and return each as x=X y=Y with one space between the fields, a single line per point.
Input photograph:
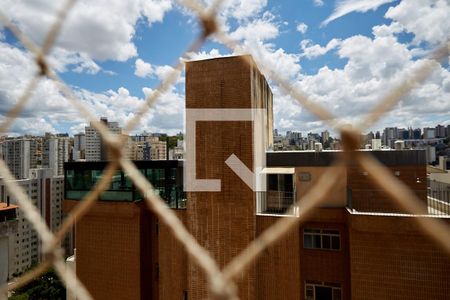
x=17 y=155
x=356 y=245
x=8 y=230
x=56 y=153
x=79 y=146
x=46 y=193
x=95 y=150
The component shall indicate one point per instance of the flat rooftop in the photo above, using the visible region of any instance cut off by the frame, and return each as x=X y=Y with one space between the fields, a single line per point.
x=4 y=206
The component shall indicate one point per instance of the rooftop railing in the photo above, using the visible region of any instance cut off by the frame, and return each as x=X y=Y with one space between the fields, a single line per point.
x=275 y=202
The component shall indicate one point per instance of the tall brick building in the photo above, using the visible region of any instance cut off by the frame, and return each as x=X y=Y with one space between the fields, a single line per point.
x=356 y=245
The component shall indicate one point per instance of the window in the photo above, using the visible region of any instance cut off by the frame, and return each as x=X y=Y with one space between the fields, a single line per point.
x=321 y=239
x=316 y=290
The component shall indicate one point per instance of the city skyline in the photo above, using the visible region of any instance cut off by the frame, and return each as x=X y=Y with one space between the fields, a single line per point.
x=330 y=50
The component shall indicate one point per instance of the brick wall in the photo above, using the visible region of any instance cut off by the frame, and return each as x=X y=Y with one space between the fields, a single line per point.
x=108 y=258
x=223 y=222
x=278 y=268
x=392 y=259
x=367 y=197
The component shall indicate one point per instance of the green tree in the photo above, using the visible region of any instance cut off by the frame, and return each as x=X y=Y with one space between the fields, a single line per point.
x=47 y=286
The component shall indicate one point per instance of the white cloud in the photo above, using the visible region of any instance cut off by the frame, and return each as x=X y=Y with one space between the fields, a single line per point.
x=241 y=9
x=204 y=55
x=311 y=51
x=259 y=29
x=99 y=30
x=302 y=28
x=47 y=110
x=318 y=2
x=428 y=20
x=345 y=7
x=387 y=30
x=143 y=69
x=374 y=68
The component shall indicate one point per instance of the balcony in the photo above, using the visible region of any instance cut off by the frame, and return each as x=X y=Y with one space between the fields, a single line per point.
x=438 y=197
x=275 y=202
x=165 y=176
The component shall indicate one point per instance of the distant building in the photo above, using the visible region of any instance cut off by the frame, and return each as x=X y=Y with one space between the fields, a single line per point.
x=325 y=135
x=95 y=149
x=56 y=153
x=390 y=135
x=8 y=231
x=440 y=131
x=46 y=193
x=429 y=133
x=17 y=153
x=79 y=146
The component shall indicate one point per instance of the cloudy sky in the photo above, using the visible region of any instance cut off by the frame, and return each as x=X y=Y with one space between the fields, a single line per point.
x=344 y=54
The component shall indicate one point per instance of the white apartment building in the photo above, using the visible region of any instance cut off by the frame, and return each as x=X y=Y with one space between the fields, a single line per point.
x=95 y=150
x=79 y=146
x=8 y=230
x=46 y=193
x=56 y=152
x=17 y=155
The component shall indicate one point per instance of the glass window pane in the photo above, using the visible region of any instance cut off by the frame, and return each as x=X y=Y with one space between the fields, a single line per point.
x=317 y=242
x=326 y=242
x=337 y=294
x=335 y=243
x=307 y=241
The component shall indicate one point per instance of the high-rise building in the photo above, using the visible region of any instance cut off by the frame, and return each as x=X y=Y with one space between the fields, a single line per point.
x=429 y=133
x=17 y=153
x=357 y=244
x=95 y=149
x=46 y=193
x=325 y=135
x=390 y=135
x=8 y=230
x=440 y=131
x=56 y=153
x=79 y=146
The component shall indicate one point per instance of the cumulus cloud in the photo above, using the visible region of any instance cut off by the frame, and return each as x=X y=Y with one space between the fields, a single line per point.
x=302 y=28
x=374 y=67
x=345 y=7
x=428 y=20
x=143 y=69
x=48 y=111
x=99 y=30
x=259 y=29
x=311 y=50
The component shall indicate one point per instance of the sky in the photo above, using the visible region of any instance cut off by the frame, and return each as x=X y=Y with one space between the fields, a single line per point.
x=345 y=55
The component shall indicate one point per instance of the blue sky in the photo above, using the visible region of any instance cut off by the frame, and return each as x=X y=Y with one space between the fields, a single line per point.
x=344 y=54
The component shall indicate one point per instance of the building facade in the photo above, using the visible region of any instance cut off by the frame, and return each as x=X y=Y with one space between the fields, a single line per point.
x=46 y=193
x=357 y=244
x=95 y=150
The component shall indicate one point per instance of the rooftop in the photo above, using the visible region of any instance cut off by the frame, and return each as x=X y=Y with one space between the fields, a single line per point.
x=4 y=206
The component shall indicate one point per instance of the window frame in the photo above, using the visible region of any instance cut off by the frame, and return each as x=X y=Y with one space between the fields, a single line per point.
x=317 y=236
x=336 y=288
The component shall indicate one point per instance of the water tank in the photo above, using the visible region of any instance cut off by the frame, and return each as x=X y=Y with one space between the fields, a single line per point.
x=318 y=147
x=399 y=145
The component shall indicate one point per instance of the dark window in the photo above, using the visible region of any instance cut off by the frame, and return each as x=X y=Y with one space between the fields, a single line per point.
x=321 y=239
x=316 y=290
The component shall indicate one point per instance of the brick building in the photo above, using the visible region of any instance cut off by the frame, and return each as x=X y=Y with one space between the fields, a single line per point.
x=356 y=245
